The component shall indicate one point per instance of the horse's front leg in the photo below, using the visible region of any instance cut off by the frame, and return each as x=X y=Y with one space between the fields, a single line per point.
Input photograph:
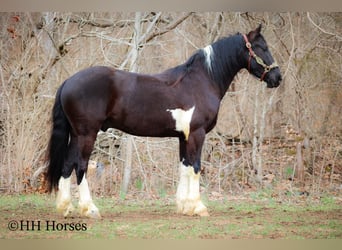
x=188 y=191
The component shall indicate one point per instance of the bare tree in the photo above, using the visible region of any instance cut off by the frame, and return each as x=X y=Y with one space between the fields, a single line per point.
x=132 y=57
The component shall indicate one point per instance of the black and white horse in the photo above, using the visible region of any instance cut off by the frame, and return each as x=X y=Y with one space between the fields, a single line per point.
x=180 y=102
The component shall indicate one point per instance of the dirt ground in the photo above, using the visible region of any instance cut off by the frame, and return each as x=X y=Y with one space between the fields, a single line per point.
x=34 y=217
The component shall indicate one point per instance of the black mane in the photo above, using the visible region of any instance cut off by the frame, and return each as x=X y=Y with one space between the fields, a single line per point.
x=225 y=61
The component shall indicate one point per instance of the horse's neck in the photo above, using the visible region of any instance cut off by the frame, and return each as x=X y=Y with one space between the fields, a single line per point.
x=230 y=62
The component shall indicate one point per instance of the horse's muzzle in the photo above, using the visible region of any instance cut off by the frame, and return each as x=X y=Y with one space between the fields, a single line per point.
x=273 y=78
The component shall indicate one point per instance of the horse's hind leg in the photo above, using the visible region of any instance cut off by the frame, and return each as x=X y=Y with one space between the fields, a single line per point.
x=63 y=201
x=86 y=205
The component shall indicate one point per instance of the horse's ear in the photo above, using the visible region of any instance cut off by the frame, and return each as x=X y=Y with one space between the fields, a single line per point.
x=254 y=33
x=258 y=30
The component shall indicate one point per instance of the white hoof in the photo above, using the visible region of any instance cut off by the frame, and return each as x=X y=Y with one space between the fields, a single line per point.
x=65 y=207
x=192 y=207
x=90 y=210
x=63 y=201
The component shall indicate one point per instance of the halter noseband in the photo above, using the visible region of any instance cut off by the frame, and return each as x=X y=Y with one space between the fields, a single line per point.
x=259 y=61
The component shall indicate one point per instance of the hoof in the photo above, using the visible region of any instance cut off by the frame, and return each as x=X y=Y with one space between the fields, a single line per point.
x=202 y=213
x=201 y=210
x=90 y=211
x=93 y=214
x=66 y=208
x=190 y=207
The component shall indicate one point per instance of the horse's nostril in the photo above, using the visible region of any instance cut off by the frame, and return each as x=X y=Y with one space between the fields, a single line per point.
x=279 y=78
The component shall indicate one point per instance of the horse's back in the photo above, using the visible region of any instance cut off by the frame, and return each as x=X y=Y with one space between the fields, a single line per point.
x=89 y=79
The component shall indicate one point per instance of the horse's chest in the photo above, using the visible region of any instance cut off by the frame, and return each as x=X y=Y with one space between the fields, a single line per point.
x=182 y=119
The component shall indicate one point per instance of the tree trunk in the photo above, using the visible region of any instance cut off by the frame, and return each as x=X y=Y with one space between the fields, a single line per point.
x=300 y=162
x=133 y=68
x=256 y=138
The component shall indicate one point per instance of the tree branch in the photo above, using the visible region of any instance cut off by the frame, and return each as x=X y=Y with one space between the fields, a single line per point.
x=322 y=30
x=168 y=27
x=99 y=24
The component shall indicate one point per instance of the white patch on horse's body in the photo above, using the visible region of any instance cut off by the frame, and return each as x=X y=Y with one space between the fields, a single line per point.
x=188 y=196
x=63 y=201
x=209 y=54
x=87 y=207
x=183 y=120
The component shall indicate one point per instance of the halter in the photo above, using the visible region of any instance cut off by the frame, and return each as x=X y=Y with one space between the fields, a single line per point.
x=259 y=61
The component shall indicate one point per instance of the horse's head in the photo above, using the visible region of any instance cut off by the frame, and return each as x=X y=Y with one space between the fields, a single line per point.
x=260 y=62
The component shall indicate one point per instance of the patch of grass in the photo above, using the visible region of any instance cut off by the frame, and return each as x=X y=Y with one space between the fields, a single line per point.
x=328 y=201
x=127 y=219
x=139 y=184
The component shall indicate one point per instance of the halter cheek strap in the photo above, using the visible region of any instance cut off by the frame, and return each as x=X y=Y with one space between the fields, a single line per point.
x=259 y=61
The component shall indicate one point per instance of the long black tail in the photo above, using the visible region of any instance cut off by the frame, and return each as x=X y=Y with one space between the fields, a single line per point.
x=58 y=144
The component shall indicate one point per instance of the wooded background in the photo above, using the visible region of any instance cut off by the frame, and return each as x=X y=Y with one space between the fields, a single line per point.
x=286 y=140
